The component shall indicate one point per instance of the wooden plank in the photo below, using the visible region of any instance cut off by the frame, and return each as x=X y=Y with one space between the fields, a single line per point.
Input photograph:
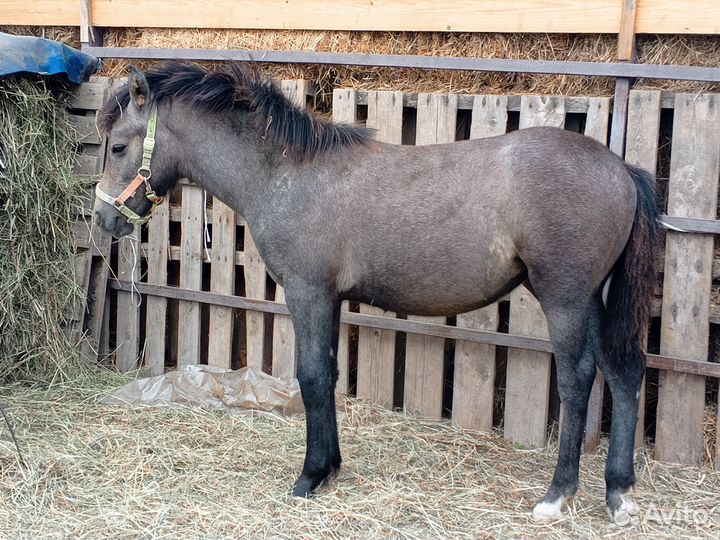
x=157 y=261
x=222 y=280
x=626 y=34
x=474 y=376
x=528 y=373
x=87 y=131
x=255 y=288
x=88 y=96
x=596 y=126
x=345 y=111
x=548 y=67
x=641 y=148
x=592 y=16
x=566 y=16
x=666 y=363
x=425 y=356
x=193 y=202
x=692 y=191
x=664 y=17
x=619 y=118
x=376 y=348
x=127 y=353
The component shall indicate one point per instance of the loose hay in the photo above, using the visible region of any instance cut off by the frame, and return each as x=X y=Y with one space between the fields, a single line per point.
x=104 y=472
x=40 y=198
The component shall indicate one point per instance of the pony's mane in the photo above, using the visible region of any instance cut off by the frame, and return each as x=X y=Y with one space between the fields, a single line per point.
x=299 y=132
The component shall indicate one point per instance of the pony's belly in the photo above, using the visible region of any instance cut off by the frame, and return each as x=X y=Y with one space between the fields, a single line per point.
x=437 y=294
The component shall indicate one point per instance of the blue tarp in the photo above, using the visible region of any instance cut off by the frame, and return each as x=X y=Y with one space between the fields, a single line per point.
x=25 y=54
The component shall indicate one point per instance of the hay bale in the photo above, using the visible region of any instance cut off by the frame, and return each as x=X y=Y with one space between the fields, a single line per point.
x=40 y=198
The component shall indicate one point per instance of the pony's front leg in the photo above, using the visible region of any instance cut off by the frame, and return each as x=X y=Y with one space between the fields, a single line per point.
x=315 y=313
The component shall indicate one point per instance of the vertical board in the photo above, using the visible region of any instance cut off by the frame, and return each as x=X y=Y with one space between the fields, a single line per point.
x=376 y=348
x=641 y=148
x=157 y=260
x=345 y=111
x=425 y=355
x=474 y=375
x=193 y=210
x=283 y=362
x=127 y=354
x=596 y=127
x=222 y=281
x=692 y=192
x=528 y=372
x=255 y=287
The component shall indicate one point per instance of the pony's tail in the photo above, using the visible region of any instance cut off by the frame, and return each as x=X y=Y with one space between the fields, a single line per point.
x=633 y=279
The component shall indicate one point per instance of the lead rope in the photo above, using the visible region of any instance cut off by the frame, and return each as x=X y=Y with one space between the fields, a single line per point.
x=135 y=260
x=206 y=236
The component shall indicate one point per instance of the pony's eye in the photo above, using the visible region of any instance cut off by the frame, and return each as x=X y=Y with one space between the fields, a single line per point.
x=117 y=148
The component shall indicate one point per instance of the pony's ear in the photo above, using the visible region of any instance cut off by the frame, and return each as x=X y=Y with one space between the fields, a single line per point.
x=139 y=89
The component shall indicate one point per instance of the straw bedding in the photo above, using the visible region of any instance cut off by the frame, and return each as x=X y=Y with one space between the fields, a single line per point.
x=95 y=471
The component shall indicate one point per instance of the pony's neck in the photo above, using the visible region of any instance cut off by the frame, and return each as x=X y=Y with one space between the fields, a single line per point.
x=226 y=158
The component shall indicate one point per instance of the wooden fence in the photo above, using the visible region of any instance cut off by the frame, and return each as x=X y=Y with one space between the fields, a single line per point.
x=573 y=16
x=210 y=299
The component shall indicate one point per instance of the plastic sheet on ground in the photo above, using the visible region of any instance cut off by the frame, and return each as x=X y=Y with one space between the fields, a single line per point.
x=243 y=390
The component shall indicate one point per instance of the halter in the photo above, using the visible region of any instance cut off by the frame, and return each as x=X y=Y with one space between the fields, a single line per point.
x=141 y=178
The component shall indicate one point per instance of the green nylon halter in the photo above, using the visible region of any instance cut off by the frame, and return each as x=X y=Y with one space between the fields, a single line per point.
x=143 y=175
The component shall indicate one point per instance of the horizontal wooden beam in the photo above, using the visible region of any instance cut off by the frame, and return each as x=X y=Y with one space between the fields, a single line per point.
x=544 y=16
x=695 y=367
x=545 y=67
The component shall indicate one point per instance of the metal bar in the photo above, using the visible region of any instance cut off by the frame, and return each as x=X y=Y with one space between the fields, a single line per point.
x=692 y=225
x=668 y=363
x=601 y=69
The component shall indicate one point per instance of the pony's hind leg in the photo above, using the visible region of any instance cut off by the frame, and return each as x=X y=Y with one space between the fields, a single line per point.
x=575 y=333
x=624 y=376
x=315 y=313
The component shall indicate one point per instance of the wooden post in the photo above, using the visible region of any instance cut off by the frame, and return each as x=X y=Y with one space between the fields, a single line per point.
x=344 y=110
x=191 y=258
x=255 y=287
x=626 y=52
x=89 y=35
x=376 y=348
x=424 y=355
x=528 y=372
x=641 y=148
x=158 y=254
x=692 y=192
x=474 y=377
x=596 y=126
x=222 y=280
x=128 y=304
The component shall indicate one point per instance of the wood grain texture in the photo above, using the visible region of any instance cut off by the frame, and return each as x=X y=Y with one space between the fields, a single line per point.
x=641 y=148
x=692 y=191
x=474 y=375
x=626 y=33
x=127 y=355
x=425 y=356
x=376 y=348
x=344 y=111
x=528 y=373
x=426 y=15
x=255 y=288
x=222 y=280
x=619 y=116
x=191 y=258
x=157 y=260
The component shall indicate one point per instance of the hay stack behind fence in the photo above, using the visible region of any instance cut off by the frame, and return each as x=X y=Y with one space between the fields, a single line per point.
x=40 y=199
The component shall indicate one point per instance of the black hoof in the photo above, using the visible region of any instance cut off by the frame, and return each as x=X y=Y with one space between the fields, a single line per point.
x=306 y=484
